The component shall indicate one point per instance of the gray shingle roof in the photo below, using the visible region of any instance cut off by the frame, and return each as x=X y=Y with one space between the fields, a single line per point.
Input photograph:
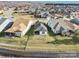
x=76 y=21
x=1 y=20
x=40 y=27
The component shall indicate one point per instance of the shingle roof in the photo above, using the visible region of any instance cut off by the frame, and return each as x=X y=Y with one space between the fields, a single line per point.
x=19 y=25
x=68 y=23
x=40 y=27
x=76 y=21
x=64 y=23
x=1 y=20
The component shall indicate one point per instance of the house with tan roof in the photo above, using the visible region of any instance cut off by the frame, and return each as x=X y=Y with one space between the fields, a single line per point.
x=19 y=28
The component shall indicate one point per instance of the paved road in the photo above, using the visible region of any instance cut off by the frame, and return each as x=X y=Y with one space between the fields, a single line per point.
x=11 y=53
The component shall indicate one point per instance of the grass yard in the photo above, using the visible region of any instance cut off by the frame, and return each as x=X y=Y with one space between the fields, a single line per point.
x=21 y=42
x=48 y=42
x=51 y=42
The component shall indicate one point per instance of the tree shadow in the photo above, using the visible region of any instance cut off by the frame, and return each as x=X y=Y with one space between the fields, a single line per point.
x=50 y=32
x=72 y=41
x=2 y=34
x=31 y=31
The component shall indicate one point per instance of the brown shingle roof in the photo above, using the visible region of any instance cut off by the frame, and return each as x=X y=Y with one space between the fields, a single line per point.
x=69 y=24
x=19 y=25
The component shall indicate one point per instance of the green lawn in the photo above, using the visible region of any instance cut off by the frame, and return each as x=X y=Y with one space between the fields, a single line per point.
x=49 y=42
x=52 y=42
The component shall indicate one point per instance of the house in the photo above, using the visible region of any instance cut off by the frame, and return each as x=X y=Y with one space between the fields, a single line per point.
x=44 y=14
x=41 y=13
x=75 y=22
x=40 y=29
x=5 y=24
x=60 y=26
x=19 y=28
x=23 y=11
x=8 y=12
x=75 y=13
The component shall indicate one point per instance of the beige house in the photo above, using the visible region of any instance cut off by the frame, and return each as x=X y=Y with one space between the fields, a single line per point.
x=19 y=28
